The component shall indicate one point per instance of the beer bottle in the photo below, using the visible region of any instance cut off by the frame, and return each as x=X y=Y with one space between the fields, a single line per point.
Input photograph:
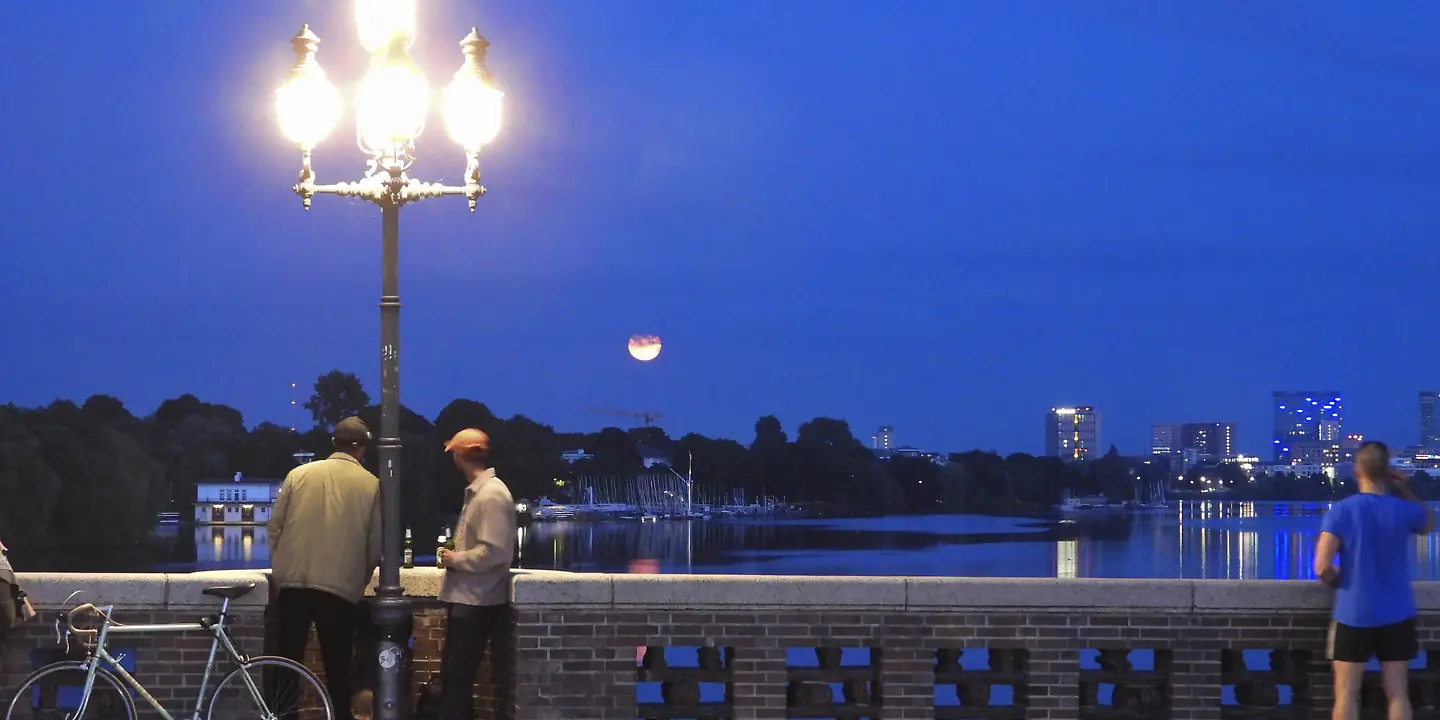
x=408 y=554
x=439 y=545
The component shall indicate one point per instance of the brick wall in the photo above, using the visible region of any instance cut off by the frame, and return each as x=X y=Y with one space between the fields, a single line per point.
x=595 y=647
x=170 y=665
x=595 y=653
x=493 y=696
x=930 y=648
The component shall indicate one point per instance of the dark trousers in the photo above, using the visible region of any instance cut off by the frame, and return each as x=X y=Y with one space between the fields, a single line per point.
x=469 y=629
x=334 y=618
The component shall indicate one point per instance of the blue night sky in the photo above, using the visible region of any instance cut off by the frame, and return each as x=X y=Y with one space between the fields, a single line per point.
x=947 y=215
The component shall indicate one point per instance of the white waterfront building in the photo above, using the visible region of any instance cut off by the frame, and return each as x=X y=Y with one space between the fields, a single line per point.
x=238 y=501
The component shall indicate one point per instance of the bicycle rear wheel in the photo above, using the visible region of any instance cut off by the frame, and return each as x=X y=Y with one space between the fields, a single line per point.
x=54 y=692
x=270 y=688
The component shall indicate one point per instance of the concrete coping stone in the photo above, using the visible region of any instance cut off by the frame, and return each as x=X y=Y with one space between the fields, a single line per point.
x=664 y=592
x=866 y=593
x=549 y=588
x=139 y=590
x=932 y=593
x=423 y=582
x=185 y=589
x=1242 y=595
x=53 y=590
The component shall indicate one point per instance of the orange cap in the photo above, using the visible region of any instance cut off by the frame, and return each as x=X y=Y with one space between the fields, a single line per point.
x=468 y=439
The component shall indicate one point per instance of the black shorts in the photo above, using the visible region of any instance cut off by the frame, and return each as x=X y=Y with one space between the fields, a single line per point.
x=1387 y=643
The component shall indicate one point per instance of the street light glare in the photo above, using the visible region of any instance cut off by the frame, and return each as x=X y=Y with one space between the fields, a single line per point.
x=472 y=104
x=309 y=107
x=391 y=102
x=472 y=111
x=307 y=104
x=379 y=21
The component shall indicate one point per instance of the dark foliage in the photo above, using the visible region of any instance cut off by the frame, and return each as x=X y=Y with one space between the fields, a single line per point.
x=96 y=475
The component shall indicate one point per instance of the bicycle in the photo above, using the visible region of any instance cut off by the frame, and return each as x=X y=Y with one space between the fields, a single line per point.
x=105 y=686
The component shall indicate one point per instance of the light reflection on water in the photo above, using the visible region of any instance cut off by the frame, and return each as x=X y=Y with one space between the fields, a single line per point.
x=1194 y=539
x=231 y=547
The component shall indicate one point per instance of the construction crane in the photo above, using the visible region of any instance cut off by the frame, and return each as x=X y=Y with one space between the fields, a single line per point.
x=645 y=416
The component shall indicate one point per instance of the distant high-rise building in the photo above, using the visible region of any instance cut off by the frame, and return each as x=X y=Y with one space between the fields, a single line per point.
x=1429 y=427
x=884 y=438
x=1164 y=439
x=1213 y=439
x=1349 y=445
x=1307 y=426
x=1072 y=433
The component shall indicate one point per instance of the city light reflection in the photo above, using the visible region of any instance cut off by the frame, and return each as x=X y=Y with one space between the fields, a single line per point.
x=1066 y=558
x=1249 y=555
x=1198 y=540
x=231 y=547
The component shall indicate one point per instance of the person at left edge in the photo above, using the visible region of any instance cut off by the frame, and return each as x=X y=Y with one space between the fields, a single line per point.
x=9 y=614
x=324 y=547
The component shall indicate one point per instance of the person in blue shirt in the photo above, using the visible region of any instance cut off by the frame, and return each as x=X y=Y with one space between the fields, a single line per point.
x=1364 y=553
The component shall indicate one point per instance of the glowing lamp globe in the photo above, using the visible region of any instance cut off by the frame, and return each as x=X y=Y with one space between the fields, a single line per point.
x=472 y=104
x=391 y=102
x=472 y=112
x=307 y=105
x=644 y=347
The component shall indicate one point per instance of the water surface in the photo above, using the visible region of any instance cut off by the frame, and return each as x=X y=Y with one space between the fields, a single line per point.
x=1200 y=540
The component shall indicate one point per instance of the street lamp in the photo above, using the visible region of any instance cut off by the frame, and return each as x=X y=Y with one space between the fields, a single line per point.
x=390 y=108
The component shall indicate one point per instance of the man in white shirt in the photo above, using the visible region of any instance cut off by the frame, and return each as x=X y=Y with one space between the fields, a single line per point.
x=476 y=588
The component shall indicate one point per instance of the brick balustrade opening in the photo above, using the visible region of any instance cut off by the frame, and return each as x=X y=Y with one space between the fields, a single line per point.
x=595 y=647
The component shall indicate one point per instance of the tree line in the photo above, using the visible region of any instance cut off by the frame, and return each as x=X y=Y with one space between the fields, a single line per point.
x=95 y=474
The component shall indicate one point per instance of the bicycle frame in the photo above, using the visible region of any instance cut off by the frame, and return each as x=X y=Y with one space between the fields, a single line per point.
x=100 y=655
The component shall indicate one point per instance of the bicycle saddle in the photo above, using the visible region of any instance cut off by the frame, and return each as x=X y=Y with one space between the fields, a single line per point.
x=230 y=592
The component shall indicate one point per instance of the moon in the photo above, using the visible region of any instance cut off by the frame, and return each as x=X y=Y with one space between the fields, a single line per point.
x=644 y=347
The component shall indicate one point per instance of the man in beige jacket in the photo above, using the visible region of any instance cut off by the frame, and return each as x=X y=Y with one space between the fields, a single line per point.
x=476 y=588
x=324 y=546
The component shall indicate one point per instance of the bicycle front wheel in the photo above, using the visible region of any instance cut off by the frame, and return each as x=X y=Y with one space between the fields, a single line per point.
x=270 y=688
x=54 y=692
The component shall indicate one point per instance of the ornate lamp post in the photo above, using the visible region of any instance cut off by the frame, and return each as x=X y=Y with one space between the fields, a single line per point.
x=390 y=110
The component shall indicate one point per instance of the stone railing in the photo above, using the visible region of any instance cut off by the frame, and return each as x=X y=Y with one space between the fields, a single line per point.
x=811 y=647
x=595 y=647
x=168 y=665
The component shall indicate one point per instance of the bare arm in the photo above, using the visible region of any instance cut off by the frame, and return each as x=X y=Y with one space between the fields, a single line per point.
x=1401 y=484
x=1325 y=551
x=494 y=549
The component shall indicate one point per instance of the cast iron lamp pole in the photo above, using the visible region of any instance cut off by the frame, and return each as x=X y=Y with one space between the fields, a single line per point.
x=390 y=115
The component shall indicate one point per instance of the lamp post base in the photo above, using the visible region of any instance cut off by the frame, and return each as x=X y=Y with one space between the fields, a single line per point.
x=393 y=615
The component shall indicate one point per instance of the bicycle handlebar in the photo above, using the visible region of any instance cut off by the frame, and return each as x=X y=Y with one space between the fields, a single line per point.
x=69 y=618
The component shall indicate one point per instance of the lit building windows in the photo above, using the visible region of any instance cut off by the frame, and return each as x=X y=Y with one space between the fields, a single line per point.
x=1072 y=433
x=1308 y=427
